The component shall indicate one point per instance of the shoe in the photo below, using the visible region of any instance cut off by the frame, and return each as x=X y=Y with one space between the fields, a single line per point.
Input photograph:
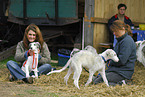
x=122 y=82
x=53 y=69
x=11 y=78
x=28 y=80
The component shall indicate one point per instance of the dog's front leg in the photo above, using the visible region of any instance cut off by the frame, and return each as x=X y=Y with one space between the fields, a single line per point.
x=36 y=73
x=102 y=72
x=27 y=65
x=36 y=68
x=27 y=71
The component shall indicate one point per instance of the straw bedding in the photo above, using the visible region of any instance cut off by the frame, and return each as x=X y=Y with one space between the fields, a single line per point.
x=54 y=83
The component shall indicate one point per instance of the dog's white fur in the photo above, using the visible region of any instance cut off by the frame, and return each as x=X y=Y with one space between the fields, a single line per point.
x=27 y=66
x=88 y=48
x=93 y=62
x=140 y=51
x=91 y=49
x=74 y=51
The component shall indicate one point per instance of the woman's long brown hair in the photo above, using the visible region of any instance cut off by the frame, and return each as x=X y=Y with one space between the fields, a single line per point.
x=39 y=37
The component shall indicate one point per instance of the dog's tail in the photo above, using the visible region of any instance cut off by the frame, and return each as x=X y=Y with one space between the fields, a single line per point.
x=57 y=71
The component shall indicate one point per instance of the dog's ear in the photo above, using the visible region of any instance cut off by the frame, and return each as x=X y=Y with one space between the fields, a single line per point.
x=30 y=45
x=138 y=43
x=107 y=53
x=38 y=45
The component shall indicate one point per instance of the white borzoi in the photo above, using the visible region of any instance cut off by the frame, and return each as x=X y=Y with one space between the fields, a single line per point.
x=85 y=58
x=140 y=51
x=32 y=62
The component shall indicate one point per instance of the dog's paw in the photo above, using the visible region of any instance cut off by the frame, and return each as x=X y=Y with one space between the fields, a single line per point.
x=33 y=76
x=48 y=73
x=27 y=76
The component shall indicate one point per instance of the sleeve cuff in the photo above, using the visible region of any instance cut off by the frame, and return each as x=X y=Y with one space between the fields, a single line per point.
x=39 y=57
x=26 y=54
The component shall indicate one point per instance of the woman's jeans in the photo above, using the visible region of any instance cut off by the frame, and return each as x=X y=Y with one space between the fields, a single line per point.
x=17 y=73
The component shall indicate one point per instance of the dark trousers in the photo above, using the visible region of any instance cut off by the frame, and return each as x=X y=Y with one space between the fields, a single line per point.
x=112 y=77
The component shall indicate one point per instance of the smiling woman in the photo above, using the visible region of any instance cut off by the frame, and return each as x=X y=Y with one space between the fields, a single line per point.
x=32 y=34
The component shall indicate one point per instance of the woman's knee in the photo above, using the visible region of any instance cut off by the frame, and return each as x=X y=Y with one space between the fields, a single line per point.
x=48 y=66
x=9 y=63
x=44 y=69
x=97 y=80
x=12 y=64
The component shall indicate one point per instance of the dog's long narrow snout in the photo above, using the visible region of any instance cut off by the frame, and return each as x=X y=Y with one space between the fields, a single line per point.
x=116 y=59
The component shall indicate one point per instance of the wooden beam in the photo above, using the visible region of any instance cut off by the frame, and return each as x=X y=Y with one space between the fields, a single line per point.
x=137 y=23
x=105 y=21
x=99 y=20
x=60 y=45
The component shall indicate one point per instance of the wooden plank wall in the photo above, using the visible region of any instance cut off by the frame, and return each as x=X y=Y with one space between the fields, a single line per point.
x=105 y=9
x=7 y=53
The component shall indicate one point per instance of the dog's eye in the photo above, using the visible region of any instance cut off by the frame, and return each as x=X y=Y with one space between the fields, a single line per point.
x=108 y=54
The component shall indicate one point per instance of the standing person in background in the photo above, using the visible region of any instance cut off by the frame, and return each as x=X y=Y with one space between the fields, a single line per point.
x=120 y=16
x=125 y=49
x=32 y=34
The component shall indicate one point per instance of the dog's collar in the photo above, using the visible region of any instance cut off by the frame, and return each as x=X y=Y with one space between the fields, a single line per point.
x=103 y=58
x=106 y=61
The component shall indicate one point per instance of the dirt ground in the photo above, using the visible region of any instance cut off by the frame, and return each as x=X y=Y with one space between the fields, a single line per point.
x=11 y=89
x=54 y=86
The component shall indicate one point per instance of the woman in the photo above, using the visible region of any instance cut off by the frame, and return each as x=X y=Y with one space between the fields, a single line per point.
x=126 y=51
x=32 y=34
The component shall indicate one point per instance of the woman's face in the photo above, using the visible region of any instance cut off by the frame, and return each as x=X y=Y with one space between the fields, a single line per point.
x=31 y=36
x=119 y=33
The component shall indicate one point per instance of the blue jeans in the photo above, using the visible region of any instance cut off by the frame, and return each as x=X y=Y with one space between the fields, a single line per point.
x=17 y=73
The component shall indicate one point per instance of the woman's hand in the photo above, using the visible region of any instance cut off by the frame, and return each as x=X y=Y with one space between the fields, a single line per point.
x=38 y=51
x=31 y=52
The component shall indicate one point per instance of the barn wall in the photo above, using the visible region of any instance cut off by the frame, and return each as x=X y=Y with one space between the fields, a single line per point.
x=105 y=9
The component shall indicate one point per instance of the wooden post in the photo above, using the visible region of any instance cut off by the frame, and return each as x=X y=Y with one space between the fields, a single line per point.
x=88 y=26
